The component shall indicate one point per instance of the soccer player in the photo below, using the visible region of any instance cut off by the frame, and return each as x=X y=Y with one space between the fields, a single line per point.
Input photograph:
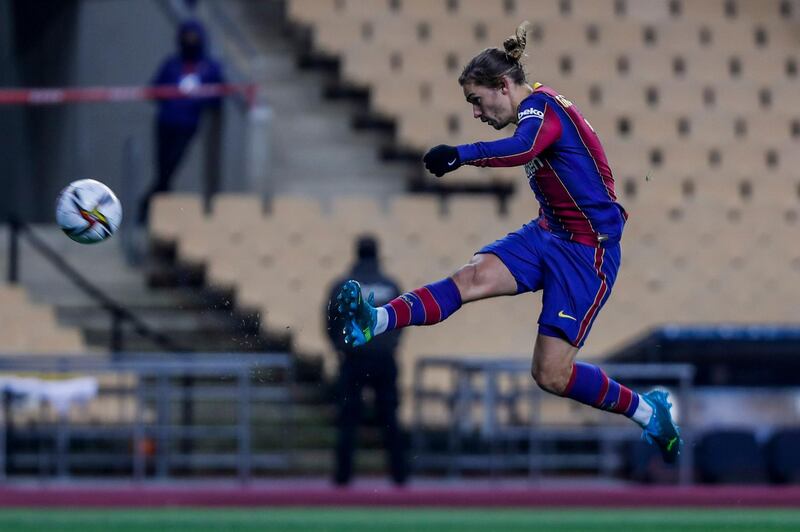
x=571 y=251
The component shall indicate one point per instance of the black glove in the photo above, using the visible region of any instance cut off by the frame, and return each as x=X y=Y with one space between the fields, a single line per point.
x=442 y=159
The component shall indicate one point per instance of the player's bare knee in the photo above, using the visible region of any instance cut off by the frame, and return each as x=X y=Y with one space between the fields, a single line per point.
x=550 y=379
x=466 y=278
x=543 y=379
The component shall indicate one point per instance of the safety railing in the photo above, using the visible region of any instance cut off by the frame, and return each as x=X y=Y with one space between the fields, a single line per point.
x=488 y=412
x=119 y=314
x=234 y=420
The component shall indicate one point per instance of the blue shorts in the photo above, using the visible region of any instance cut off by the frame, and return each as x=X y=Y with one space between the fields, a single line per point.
x=575 y=279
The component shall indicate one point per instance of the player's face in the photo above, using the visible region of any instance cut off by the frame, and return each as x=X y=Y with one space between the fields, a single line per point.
x=492 y=106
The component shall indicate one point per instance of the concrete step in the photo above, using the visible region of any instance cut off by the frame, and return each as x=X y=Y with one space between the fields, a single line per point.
x=162 y=319
x=205 y=341
x=315 y=149
x=184 y=298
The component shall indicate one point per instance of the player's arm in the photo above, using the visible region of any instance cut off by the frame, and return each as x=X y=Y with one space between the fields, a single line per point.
x=536 y=131
x=538 y=127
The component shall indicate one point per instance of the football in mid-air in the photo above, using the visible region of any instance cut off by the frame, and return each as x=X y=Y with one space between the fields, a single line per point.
x=88 y=211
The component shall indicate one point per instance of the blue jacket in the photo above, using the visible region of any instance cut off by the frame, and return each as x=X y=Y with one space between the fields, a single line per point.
x=189 y=67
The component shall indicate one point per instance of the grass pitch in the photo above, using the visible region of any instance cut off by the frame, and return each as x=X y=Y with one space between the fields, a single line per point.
x=397 y=520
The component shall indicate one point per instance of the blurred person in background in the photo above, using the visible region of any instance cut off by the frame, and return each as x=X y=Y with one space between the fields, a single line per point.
x=373 y=366
x=571 y=251
x=178 y=119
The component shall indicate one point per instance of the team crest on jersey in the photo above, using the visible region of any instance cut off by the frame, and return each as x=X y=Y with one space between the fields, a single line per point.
x=530 y=112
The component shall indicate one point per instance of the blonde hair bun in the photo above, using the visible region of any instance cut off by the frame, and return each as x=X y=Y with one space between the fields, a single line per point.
x=515 y=45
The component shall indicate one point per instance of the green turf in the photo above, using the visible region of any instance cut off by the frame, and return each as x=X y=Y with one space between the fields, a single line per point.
x=396 y=520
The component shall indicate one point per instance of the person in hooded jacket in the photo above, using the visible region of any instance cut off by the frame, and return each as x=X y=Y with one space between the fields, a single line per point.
x=371 y=366
x=178 y=119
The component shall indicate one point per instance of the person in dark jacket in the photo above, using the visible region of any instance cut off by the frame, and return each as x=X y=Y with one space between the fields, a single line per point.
x=178 y=119
x=371 y=366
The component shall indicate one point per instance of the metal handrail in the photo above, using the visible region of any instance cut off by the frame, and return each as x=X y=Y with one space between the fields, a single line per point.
x=119 y=314
x=129 y=361
x=158 y=384
x=462 y=396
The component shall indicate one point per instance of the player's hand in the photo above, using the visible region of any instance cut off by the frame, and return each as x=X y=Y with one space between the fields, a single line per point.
x=442 y=159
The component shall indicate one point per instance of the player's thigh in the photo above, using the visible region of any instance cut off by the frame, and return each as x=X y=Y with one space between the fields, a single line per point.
x=484 y=276
x=552 y=362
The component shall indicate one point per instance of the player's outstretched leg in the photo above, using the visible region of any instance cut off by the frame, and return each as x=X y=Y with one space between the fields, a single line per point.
x=588 y=384
x=661 y=430
x=427 y=305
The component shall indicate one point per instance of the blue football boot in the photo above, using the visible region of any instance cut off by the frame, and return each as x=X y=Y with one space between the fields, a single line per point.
x=661 y=430
x=360 y=315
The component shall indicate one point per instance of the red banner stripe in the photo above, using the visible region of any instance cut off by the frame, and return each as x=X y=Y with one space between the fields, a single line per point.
x=52 y=96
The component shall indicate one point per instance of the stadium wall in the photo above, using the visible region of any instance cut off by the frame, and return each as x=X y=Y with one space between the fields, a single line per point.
x=80 y=43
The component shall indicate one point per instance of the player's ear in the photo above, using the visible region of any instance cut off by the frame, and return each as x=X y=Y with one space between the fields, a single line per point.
x=505 y=88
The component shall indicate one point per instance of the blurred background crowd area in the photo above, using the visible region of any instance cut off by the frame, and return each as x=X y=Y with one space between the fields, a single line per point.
x=693 y=101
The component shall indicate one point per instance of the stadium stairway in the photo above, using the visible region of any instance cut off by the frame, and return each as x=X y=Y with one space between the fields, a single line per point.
x=173 y=299
x=316 y=150
x=312 y=437
x=194 y=319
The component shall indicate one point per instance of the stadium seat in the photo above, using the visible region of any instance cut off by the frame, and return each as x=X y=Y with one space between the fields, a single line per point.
x=775 y=67
x=172 y=214
x=771 y=11
x=357 y=214
x=707 y=10
x=311 y=11
x=368 y=65
x=646 y=65
x=616 y=35
x=32 y=328
x=394 y=96
x=532 y=9
x=344 y=34
x=650 y=11
x=681 y=96
x=589 y=10
x=720 y=126
x=487 y=10
x=424 y=8
x=549 y=36
x=296 y=209
x=738 y=96
x=730 y=456
x=771 y=127
x=684 y=37
x=197 y=242
x=237 y=210
x=613 y=95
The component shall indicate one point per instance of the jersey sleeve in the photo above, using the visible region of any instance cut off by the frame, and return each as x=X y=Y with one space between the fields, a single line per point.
x=538 y=127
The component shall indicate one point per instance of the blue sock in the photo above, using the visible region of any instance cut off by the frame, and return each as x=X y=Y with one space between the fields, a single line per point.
x=591 y=386
x=424 y=306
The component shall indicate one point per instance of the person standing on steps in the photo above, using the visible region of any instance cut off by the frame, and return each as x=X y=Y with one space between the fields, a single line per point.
x=372 y=366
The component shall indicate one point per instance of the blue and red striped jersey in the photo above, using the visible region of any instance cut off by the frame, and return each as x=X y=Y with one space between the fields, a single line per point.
x=566 y=167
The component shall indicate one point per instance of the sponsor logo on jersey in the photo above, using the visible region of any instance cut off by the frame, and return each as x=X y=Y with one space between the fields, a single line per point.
x=529 y=112
x=532 y=166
